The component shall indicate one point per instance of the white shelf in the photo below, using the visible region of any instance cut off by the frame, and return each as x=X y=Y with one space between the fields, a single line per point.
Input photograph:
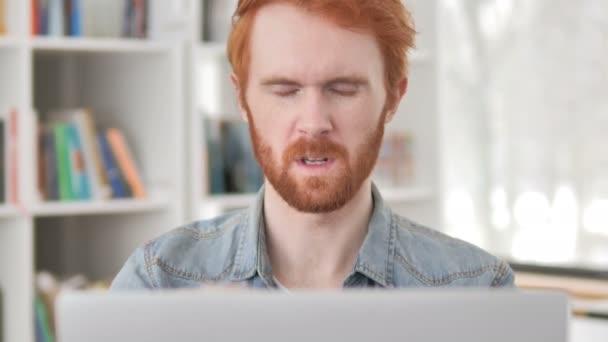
x=8 y=42
x=8 y=211
x=95 y=45
x=118 y=206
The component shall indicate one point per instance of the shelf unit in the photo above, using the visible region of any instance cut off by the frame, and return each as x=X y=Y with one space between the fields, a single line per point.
x=135 y=85
x=417 y=114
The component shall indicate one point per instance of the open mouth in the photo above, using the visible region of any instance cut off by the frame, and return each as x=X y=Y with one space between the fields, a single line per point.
x=314 y=161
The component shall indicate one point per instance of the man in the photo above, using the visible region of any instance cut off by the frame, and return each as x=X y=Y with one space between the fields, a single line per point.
x=317 y=81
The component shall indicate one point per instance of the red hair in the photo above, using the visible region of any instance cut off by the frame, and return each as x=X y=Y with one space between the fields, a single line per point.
x=388 y=20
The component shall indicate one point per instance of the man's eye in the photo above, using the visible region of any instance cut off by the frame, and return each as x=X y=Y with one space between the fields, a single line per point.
x=283 y=91
x=344 y=89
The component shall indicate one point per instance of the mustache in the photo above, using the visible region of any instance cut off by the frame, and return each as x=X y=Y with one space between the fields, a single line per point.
x=322 y=147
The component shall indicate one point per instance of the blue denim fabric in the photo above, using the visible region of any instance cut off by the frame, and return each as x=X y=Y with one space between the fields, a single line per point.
x=232 y=248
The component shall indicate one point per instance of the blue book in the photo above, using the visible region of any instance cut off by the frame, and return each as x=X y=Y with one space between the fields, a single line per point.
x=56 y=18
x=76 y=18
x=50 y=166
x=44 y=17
x=80 y=178
x=112 y=171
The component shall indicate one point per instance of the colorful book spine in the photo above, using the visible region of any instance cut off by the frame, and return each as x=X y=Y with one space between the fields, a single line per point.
x=125 y=162
x=63 y=161
x=93 y=164
x=56 y=18
x=75 y=16
x=3 y=18
x=51 y=190
x=80 y=179
x=112 y=171
x=42 y=319
x=35 y=20
x=43 y=16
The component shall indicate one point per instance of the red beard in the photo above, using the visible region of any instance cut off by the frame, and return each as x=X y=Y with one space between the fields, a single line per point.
x=319 y=194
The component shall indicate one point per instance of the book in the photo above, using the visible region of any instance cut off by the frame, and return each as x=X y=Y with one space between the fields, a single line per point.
x=56 y=9
x=213 y=155
x=125 y=162
x=112 y=172
x=43 y=323
x=75 y=17
x=62 y=150
x=100 y=189
x=43 y=17
x=51 y=175
x=3 y=18
x=40 y=162
x=242 y=172
x=35 y=17
x=80 y=179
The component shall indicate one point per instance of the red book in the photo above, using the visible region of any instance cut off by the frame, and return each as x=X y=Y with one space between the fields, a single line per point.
x=35 y=17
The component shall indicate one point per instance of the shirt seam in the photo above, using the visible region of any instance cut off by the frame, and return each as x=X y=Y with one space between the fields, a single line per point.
x=447 y=279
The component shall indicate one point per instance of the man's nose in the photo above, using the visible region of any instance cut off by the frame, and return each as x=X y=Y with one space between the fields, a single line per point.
x=314 y=118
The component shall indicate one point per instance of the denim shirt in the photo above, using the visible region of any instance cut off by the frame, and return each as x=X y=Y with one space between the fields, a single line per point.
x=232 y=248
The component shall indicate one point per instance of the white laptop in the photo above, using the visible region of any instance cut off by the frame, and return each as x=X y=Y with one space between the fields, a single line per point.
x=389 y=315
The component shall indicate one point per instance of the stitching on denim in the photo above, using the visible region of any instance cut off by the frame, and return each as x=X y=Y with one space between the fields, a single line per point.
x=378 y=277
x=500 y=276
x=238 y=258
x=149 y=264
x=390 y=262
x=190 y=276
x=195 y=234
x=447 y=279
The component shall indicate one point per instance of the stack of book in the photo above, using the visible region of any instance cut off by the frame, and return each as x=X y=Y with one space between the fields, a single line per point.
x=76 y=18
x=232 y=164
x=9 y=173
x=78 y=162
x=48 y=287
x=395 y=166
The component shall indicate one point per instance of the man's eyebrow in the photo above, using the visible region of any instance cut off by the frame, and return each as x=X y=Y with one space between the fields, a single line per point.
x=279 y=81
x=357 y=80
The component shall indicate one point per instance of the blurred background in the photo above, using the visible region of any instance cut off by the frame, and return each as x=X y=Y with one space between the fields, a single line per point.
x=118 y=122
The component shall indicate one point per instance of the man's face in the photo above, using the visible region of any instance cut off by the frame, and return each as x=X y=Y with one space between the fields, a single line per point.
x=315 y=103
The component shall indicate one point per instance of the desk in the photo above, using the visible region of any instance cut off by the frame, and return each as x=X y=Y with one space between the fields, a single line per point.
x=588 y=330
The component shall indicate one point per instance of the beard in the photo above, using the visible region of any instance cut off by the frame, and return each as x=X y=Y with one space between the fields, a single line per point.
x=325 y=193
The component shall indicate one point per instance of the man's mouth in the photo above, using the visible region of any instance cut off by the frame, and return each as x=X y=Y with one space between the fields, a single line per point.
x=314 y=161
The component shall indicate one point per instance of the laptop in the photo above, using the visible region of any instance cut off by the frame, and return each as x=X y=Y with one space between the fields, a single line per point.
x=370 y=315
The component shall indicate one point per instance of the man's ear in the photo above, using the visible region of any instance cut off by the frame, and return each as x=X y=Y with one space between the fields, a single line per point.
x=240 y=96
x=394 y=105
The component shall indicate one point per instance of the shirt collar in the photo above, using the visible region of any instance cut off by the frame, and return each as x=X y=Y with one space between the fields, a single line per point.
x=375 y=260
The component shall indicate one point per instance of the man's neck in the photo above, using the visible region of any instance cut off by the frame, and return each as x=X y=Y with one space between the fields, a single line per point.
x=315 y=250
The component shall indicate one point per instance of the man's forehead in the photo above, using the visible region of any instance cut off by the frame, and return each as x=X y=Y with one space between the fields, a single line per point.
x=290 y=42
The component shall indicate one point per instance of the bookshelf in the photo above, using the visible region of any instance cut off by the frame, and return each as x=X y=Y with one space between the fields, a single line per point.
x=418 y=114
x=136 y=85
